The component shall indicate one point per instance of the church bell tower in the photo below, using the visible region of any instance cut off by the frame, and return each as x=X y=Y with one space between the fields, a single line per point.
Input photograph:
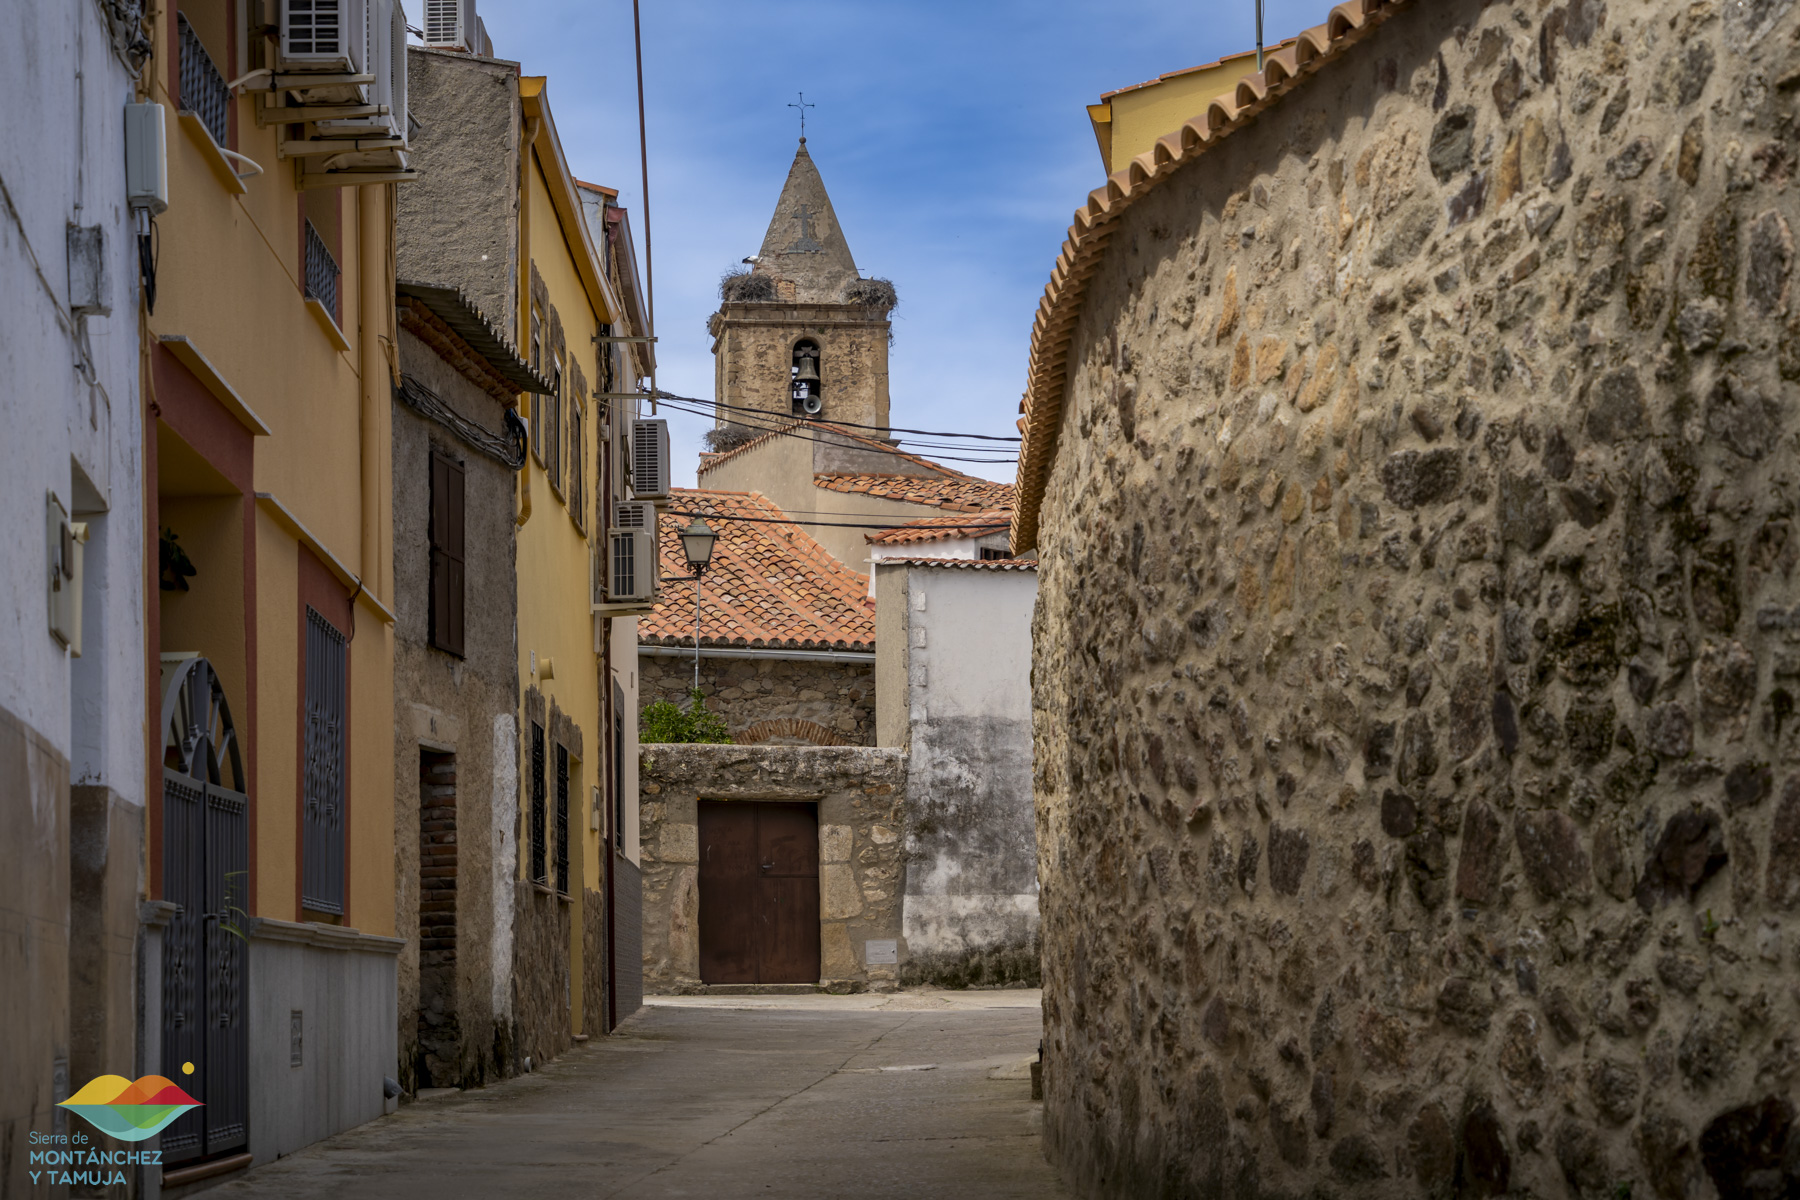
x=801 y=335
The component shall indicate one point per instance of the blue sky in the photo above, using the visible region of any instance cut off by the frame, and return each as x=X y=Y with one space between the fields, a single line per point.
x=952 y=137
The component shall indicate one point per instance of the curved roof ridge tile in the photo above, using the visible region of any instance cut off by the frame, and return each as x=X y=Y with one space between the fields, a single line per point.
x=1054 y=323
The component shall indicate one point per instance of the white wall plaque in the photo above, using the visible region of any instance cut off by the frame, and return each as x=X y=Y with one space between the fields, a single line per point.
x=876 y=953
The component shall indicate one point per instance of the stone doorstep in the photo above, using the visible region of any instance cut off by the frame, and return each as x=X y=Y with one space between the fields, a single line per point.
x=752 y=989
x=829 y=987
x=182 y=1177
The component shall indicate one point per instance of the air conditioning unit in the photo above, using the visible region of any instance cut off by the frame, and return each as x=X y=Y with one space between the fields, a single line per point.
x=631 y=565
x=329 y=37
x=634 y=514
x=650 y=459
x=452 y=25
x=387 y=59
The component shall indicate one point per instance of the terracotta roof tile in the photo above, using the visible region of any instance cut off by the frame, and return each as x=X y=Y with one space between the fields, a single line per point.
x=1060 y=309
x=769 y=585
x=938 y=529
x=951 y=491
x=965 y=564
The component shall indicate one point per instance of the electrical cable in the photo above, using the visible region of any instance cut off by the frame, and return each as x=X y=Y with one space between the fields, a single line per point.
x=684 y=512
x=986 y=437
x=795 y=429
x=507 y=449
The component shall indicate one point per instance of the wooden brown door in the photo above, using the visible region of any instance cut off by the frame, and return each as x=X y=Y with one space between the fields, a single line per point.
x=759 y=892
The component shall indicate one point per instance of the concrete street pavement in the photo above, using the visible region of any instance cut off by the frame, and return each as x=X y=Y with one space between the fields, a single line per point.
x=920 y=1095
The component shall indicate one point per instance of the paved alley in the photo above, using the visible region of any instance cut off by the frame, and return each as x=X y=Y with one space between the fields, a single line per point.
x=918 y=1095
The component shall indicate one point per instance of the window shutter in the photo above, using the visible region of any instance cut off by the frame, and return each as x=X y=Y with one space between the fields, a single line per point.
x=447 y=567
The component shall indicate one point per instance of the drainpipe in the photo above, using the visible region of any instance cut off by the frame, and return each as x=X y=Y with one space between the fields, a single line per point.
x=371 y=361
x=525 y=152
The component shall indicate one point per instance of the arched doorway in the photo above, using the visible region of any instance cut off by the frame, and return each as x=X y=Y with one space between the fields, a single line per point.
x=206 y=873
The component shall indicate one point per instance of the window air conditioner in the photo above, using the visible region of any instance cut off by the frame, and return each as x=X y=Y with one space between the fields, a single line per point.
x=387 y=57
x=650 y=459
x=328 y=37
x=634 y=514
x=631 y=565
x=451 y=25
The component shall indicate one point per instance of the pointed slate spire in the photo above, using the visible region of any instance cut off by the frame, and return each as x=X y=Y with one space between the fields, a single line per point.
x=805 y=246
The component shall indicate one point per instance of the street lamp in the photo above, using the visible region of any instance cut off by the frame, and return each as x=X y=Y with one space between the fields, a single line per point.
x=697 y=544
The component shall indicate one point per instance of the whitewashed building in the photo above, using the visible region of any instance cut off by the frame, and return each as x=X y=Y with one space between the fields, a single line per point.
x=72 y=658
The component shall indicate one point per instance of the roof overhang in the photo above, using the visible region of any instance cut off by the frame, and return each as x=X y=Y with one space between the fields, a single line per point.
x=452 y=306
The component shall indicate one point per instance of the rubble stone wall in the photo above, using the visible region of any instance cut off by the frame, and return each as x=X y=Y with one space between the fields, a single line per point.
x=1418 y=639
x=860 y=792
x=780 y=701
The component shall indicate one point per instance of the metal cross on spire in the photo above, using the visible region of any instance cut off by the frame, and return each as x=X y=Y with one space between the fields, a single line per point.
x=802 y=106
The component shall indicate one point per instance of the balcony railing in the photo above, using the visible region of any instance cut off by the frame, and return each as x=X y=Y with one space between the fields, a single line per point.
x=203 y=90
x=321 y=272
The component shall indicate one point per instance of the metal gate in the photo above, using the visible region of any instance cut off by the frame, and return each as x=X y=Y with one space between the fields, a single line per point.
x=206 y=873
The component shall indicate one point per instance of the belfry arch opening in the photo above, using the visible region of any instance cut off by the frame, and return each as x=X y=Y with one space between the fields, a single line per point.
x=808 y=400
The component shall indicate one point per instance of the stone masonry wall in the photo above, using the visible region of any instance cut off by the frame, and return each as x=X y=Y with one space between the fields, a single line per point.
x=860 y=792
x=1417 y=644
x=753 y=352
x=756 y=695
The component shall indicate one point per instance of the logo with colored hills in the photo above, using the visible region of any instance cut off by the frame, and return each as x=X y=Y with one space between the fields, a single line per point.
x=130 y=1111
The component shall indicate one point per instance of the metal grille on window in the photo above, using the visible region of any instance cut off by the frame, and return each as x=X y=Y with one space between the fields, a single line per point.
x=203 y=90
x=539 y=869
x=322 y=819
x=321 y=271
x=562 y=820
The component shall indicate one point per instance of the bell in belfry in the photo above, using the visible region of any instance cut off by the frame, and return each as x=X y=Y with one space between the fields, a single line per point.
x=807 y=375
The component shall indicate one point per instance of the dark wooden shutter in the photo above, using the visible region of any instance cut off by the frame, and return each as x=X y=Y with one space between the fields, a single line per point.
x=447 y=567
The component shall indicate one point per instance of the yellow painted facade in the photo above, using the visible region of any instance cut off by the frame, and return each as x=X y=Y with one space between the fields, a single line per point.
x=1128 y=122
x=563 y=648
x=267 y=433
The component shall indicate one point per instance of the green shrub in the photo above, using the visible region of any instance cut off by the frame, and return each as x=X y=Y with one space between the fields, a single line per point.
x=666 y=722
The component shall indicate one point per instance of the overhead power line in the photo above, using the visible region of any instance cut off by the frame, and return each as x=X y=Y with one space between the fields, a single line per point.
x=686 y=512
x=985 y=437
x=809 y=433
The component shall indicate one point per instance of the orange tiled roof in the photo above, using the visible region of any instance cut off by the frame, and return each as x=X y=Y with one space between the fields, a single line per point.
x=942 y=488
x=951 y=491
x=769 y=584
x=938 y=529
x=964 y=564
x=1060 y=309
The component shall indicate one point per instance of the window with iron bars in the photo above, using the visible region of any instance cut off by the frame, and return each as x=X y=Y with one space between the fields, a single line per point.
x=203 y=90
x=539 y=868
x=562 y=820
x=321 y=272
x=322 y=816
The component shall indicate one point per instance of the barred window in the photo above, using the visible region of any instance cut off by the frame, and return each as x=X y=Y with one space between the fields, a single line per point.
x=322 y=815
x=539 y=867
x=562 y=820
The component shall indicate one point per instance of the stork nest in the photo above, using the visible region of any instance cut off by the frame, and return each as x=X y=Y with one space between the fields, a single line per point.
x=730 y=436
x=878 y=294
x=740 y=285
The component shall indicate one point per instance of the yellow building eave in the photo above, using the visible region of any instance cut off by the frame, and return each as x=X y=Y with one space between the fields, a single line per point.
x=564 y=199
x=296 y=528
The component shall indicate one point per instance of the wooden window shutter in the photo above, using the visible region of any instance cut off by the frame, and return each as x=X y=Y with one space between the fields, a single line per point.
x=447 y=569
